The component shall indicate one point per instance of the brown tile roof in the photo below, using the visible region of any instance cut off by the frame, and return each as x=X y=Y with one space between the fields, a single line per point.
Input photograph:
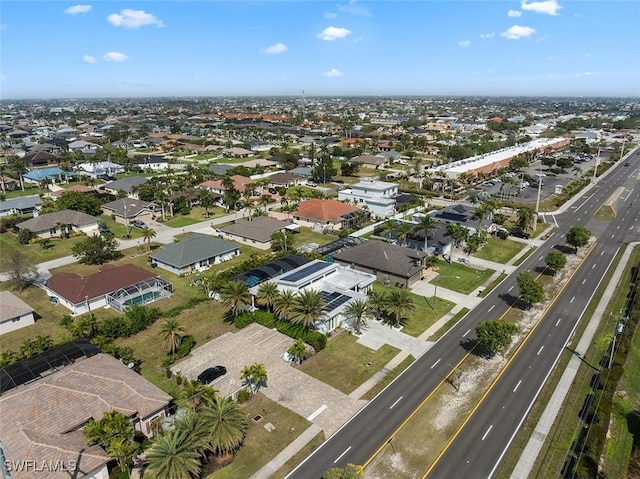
x=43 y=411
x=317 y=209
x=11 y=306
x=109 y=278
x=239 y=183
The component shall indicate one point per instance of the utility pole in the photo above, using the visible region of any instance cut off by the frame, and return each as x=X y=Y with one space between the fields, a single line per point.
x=595 y=167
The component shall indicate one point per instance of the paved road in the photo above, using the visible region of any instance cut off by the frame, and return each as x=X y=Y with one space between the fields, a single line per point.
x=357 y=440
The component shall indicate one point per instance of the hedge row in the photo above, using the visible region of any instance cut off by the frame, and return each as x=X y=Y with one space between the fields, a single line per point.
x=296 y=331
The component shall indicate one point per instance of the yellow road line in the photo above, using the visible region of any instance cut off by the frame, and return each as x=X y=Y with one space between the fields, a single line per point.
x=511 y=359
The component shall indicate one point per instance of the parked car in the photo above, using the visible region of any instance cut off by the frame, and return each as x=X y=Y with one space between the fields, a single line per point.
x=273 y=191
x=104 y=231
x=311 y=184
x=106 y=178
x=138 y=224
x=211 y=374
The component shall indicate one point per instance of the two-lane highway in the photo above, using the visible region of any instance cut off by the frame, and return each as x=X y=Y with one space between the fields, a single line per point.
x=370 y=429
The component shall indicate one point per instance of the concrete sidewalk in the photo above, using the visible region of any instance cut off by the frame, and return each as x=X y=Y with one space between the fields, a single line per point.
x=541 y=432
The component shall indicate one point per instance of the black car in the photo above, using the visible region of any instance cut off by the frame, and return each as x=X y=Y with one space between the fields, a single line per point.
x=104 y=231
x=138 y=224
x=211 y=374
x=106 y=178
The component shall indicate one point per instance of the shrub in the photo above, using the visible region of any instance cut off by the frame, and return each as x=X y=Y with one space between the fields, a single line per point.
x=317 y=340
x=268 y=320
x=243 y=395
x=243 y=320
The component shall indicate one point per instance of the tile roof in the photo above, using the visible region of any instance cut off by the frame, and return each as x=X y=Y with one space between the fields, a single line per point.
x=381 y=256
x=192 y=249
x=42 y=412
x=11 y=306
x=239 y=183
x=50 y=220
x=109 y=278
x=318 y=209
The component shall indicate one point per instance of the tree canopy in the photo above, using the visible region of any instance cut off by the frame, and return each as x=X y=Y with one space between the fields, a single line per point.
x=495 y=336
x=78 y=201
x=96 y=249
x=530 y=290
x=556 y=260
x=578 y=236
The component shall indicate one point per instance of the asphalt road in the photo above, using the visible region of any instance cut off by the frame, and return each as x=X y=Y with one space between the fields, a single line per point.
x=370 y=429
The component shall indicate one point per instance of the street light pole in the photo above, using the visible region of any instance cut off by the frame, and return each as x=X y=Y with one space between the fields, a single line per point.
x=435 y=283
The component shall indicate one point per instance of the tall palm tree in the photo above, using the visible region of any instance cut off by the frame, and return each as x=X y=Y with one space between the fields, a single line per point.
x=227 y=425
x=357 y=311
x=254 y=376
x=235 y=294
x=308 y=308
x=174 y=455
x=196 y=393
x=267 y=294
x=206 y=200
x=283 y=305
x=171 y=333
x=402 y=230
x=399 y=303
x=377 y=302
x=426 y=223
x=147 y=235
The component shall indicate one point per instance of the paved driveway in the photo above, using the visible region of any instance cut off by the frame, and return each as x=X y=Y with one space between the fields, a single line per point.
x=321 y=404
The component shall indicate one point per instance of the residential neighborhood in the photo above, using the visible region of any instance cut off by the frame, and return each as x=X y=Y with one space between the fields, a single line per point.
x=300 y=253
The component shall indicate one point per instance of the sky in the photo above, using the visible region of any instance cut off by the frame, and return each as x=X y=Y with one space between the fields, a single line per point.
x=100 y=49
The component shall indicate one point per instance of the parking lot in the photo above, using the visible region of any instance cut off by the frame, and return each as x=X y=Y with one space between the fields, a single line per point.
x=321 y=404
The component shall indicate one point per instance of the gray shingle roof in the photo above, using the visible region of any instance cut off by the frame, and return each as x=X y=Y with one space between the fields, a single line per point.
x=126 y=184
x=192 y=249
x=50 y=220
x=259 y=229
x=21 y=203
x=133 y=207
x=397 y=260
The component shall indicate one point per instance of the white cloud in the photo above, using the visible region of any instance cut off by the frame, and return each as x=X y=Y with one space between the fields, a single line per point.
x=464 y=43
x=484 y=36
x=333 y=33
x=586 y=74
x=514 y=13
x=129 y=18
x=547 y=7
x=330 y=15
x=517 y=32
x=77 y=9
x=115 y=57
x=334 y=72
x=88 y=59
x=353 y=8
x=275 y=49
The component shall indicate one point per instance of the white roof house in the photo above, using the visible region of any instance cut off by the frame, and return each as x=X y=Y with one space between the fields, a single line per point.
x=378 y=196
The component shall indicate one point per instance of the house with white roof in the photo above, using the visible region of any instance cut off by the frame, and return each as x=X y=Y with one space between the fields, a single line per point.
x=378 y=196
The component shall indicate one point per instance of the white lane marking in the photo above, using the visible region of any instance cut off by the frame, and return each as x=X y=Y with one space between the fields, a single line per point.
x=491 y=308
x=434 y=364
x=541 y=258
x=340 y=456
x=510 y=289
x=584 y=280
x=539 y=350
x=558 y=321
x=468 y=331
x=572 y=300
x=579 y=218
x=487 y=433
x=397 y=401
x=613 y=236
x=583 y=203
x=317 y=412
x=554 y=220
x=517 y=386
x=618 y=228
x=593 y=267
x=601 y=253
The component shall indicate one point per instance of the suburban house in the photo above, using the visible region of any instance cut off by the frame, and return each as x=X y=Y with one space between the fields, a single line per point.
x=40 y=159
x=286 y=179
x=270 y=270
x=391 y=264
x=215 y=186
x=101 y=168
x=21 y=205
x=85 y=147
x=257 y=232
x=128 y=185
x=151 y=162
x=220 y=170
x=50 y=397
x=322 y=214
x=370 y=161
x=194 y=253
x=462 y=215
x=53 y=174
x=8 y=184
x=238 y=152
x=14 y=313
x=114 y=286
x=378 y=196
x=439 y=242
x=126 y=209
x=49 y=224
x=338 y=287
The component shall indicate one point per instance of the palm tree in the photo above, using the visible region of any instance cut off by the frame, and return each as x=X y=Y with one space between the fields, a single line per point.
x=298 y=350
x=62 y=228
x=377 y=302
x=308 y=308
x=122 y=449
x=357 y=311
x=171 y=333
x=398 y=303
x=264 y=200
x=235 y=294
x=227 y=425
x=196 y=393
x=7 y=357
x=147 y=235
x=267 y=294
x=206 y=200
x=402 y=230
x=283 y=305
x=42 y=342
x=113 y=425
x=426 y=223
x=254 y=376
x=174 y=455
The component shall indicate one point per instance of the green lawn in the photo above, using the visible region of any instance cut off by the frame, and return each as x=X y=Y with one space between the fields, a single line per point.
x=307 y=235
x=354 y=362
x=499 y=250
x=196 y=215
x=59 y=248
x=299 y=457
x=389 y=377
x=460 y=278
x=29 y=190
x=260 y=445
x=118 y=229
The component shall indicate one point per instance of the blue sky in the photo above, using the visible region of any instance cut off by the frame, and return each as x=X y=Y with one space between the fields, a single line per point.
x=55 y=49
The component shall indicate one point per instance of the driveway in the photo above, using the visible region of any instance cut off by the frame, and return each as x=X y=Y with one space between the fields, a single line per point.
x=321 y=404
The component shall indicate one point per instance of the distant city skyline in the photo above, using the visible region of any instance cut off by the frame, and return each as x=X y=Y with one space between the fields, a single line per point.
x=216 y=48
